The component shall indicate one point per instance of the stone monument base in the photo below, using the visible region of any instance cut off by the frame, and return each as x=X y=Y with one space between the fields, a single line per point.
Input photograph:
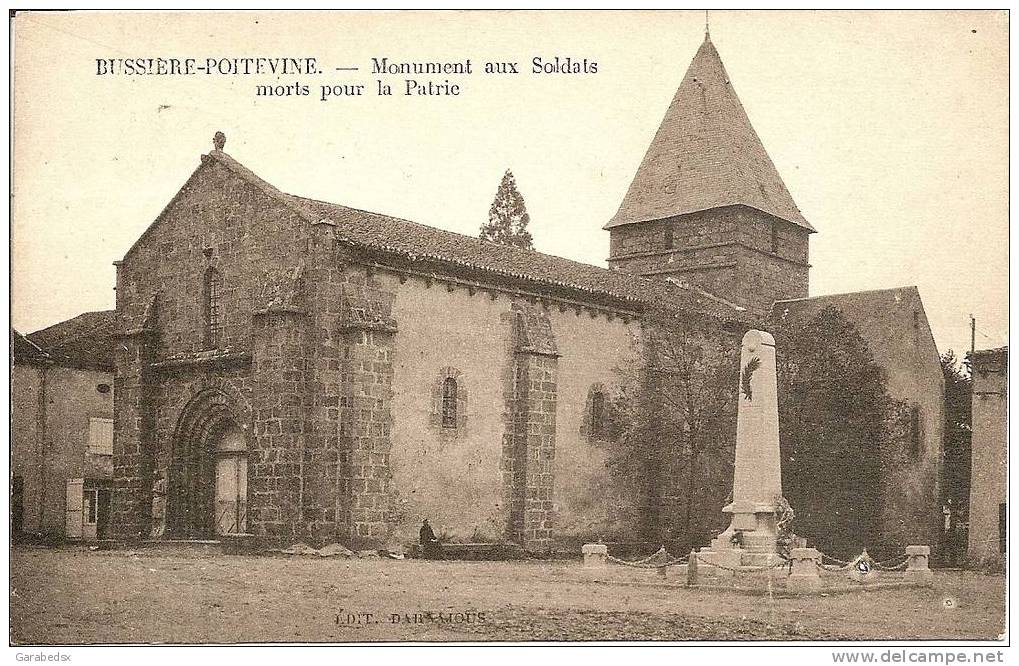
x=759 y=549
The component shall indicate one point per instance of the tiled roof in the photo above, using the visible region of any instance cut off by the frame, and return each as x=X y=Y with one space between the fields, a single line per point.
x=86 y=341
x=705 y=154
x=26 y=351
x=463 y=255
x=418 y=241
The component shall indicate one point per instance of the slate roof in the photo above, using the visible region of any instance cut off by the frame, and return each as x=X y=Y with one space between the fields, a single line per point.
x=705 y=154
x=863 y=305
x=891 y=321
x=86 y=341
x=468 y=256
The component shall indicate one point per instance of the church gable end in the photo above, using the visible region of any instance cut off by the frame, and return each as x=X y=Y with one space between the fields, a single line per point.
x=221 y=230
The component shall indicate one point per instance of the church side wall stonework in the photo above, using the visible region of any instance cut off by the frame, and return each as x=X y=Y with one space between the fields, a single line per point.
x=520 y=439
x=450 y=475
x=598 y=353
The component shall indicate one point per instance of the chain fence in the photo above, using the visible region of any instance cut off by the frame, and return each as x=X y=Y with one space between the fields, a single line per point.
x=897 y=563
x=661 y=559
x=650 y=562
x=743 y=570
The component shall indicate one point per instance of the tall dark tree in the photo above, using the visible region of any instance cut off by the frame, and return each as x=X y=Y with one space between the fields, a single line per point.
x=958 y=430
x=676 y=430
x=836 y=420
x=508 y=218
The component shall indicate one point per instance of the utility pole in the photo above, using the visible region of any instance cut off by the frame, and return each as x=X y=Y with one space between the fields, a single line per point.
x=972 y=336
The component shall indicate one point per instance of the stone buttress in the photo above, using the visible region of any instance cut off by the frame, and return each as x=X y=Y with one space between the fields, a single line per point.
x=533 y=428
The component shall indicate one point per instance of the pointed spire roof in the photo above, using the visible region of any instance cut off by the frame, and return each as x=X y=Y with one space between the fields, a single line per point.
x=705 y=155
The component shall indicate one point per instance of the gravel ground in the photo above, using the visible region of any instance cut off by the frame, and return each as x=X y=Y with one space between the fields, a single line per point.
x=66 y=596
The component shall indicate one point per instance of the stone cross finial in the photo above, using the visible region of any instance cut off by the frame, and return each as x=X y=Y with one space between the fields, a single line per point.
x=219 y=140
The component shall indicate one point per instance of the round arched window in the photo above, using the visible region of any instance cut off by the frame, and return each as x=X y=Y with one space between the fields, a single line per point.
x=449 y=406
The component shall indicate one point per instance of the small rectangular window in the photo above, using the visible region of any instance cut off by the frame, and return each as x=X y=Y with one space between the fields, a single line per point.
x=670 y=241
x=213 y=310
x=914 y=431
x=100 y=436
x=774 y=237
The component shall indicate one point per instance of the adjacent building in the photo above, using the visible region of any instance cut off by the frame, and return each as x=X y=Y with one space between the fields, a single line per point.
x=62 y=429
x=988 y=515
x=894 y=326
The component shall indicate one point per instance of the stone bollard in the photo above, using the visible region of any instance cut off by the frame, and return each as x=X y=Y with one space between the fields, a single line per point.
x=660 y=559
x=595 y=555
x=917 y=570
x=804 y=577
x=691 y=569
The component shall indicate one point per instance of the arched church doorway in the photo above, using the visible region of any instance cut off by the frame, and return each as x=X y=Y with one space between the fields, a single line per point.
x=208 y=479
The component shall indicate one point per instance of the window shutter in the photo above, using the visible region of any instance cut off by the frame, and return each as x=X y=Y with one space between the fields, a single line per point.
x=100 y=436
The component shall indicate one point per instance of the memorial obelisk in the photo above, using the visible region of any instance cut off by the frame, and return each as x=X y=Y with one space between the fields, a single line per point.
x=751 y=539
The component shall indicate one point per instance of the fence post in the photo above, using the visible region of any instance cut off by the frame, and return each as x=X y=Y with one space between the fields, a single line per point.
x=691 y=569
x=804 y=577
x=917 y=571
x=595 y=555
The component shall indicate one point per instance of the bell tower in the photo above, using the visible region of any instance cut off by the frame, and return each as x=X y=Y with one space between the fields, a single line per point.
x=707 y=205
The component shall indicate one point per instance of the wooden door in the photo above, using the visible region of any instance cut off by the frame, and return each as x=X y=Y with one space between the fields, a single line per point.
x=231 y=494
x=75 y=504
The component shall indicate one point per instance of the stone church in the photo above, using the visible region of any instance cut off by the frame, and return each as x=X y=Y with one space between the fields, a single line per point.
x=295 y=370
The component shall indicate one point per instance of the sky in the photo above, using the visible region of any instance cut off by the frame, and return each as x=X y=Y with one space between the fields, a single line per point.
x=890 y=129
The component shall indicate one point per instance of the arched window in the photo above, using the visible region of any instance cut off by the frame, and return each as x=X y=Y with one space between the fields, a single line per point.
x=449 y=402
x=914 y=431
x=598 y=420
x=670 y=241
x=212 y=310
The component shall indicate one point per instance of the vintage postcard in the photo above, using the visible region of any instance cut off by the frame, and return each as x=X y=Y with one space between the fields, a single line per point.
x=510 y=326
